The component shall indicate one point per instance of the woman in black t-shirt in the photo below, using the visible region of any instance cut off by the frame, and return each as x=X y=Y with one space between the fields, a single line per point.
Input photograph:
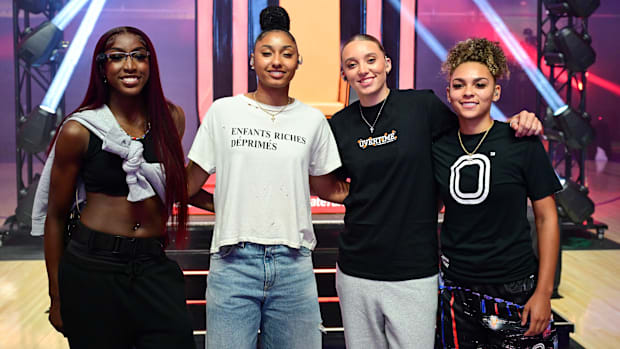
x=494 y=293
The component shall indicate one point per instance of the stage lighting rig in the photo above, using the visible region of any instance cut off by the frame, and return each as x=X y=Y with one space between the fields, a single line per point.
x=573 y=202
x=574 y=128
x=37 y=130
x=569 y=48
x=41 y=44
x=576 y=8
x=33 y=6
x=550 y=51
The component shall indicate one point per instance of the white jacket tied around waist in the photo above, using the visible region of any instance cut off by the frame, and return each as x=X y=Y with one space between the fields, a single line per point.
x=144 y=179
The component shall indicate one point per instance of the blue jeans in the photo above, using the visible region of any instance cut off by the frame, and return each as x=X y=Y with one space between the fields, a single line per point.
x=266 y=287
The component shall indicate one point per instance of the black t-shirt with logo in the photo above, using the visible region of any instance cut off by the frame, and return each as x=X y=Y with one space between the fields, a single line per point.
x=391 y=211
x=485 y=236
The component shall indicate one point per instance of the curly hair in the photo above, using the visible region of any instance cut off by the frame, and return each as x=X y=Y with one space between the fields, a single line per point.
x=477 y=50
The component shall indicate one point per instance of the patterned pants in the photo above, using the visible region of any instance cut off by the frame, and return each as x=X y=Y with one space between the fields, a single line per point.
x=488 y=316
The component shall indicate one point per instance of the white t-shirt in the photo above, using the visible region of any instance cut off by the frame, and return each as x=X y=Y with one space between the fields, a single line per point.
x=262 y=191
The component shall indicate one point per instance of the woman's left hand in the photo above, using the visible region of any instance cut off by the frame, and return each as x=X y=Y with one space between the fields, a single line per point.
x=538 y=310
x=526 y=124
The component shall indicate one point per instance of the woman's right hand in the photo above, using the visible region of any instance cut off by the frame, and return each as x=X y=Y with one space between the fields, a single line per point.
x=54 y=316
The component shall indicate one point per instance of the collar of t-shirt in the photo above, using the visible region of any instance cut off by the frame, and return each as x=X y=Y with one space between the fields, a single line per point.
x=370 y=113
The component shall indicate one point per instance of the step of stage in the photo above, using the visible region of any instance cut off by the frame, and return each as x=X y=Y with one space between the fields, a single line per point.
x=194 y=260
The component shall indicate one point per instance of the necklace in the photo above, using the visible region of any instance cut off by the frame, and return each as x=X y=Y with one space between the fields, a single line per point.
x=146 y=132
x=479 y=143
x=372 y=127
x=268 y=112
x=147 y=129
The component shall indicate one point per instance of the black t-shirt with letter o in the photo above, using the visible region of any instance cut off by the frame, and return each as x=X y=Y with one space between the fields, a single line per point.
x=485 y=236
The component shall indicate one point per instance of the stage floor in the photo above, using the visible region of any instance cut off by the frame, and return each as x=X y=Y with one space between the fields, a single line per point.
x=589 y=287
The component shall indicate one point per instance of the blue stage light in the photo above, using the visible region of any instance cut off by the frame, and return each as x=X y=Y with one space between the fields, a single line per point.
x=70 y=10
x=41 y=44
x=538 y=79
x=431 y=41
x=61 y=79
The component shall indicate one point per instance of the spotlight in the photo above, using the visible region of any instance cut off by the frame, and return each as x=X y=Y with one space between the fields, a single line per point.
x=577 y=53
x=574 y=203
x=575 y=8
x=575 y=129
x=36 y=132
x=39 y=46
x=34 y=6
x=65 y=70
x=550 y=51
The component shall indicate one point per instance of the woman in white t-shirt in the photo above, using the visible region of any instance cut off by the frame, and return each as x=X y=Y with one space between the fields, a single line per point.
x=263 y=146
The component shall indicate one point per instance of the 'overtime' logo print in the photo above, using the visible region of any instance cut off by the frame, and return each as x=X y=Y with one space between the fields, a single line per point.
x=377 y=141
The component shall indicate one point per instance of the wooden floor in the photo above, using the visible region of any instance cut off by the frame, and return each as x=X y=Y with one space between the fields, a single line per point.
x=590 y=284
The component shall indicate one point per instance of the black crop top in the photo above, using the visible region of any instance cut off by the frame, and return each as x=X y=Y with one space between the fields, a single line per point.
x=102 y=171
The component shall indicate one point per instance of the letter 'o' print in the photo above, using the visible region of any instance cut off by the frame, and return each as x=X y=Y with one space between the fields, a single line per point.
x=484 y=179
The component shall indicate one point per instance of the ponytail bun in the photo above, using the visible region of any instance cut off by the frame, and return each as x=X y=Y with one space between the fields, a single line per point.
x=274 y=18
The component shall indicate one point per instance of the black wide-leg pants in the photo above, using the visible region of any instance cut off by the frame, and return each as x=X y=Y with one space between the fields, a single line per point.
x=129 y=302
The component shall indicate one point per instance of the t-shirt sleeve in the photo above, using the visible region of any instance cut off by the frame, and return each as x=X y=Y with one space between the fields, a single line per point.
x=203 y=149
x=324 y=158
x=541 y=179
x=441 y=117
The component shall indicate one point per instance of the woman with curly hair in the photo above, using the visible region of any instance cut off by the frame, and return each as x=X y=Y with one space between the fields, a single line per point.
x=112 y=286
x=495 y=292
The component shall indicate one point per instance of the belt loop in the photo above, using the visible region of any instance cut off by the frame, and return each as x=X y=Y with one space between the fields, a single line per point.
x=91 y=238
x=134 y=245
x=116 y=246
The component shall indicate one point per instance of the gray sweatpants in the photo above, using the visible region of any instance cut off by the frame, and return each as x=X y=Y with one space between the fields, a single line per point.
x=388 y=314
